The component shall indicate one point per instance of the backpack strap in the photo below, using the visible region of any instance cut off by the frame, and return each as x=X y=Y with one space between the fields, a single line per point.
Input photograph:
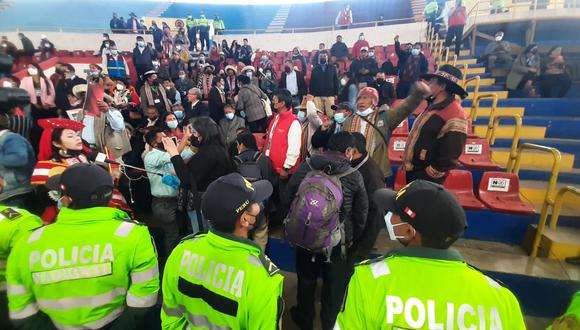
x=238 y=160
x=256 y=156
x=376 y=129
x=345 y=173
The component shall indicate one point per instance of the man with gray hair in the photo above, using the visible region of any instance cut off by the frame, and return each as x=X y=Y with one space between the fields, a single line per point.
x=197 y=108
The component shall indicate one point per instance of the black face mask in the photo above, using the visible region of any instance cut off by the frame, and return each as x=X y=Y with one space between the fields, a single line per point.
x=160 y=146
x=195 y=142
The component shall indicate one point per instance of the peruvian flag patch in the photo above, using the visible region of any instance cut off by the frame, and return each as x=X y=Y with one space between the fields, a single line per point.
x=410 y=213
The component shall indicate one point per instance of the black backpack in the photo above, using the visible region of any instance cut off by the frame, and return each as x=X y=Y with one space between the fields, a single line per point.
x=249 y=168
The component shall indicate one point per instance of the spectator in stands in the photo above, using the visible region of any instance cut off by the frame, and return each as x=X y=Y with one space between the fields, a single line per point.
x=175 y=66
x=265 y=61
x=143 y=57
x=231 y=82
x=388 y=68
x=132 y=23
x=230 y=124
x=284 y=136
x=348 y=89
x=181 y=40
x=250 y=72
x=161 y=69
x=376 y=124
x=314 y=58
x=153 y=94
x=364 y=68
x=204 y=80
x=58 y=73
x=46 y=48
x=95 y=74
x=385 y=88
x=554 y=74
x=157 y=36
x=171 y=124
x=293 y=81
x=412 y=64
x=218 y=25
x=497 y=51
x=344 y=18
x=105 y=44
x=191 y=32
x=298 y=57
x=203 y=27
x=153 y=119
x=226 y=49
x=217 y=99
x=115 y=24
x=167 y=40
x=373 y=181
x=332 y=125
x=142 y=28
x=324 y=84
x=210 y=161
x=126 y=99
x=65 y=87
x=336 y=267
x=236 y=50
x=525 y=71
x=269 y=82
x=245 y=53
x=7 y=47
x=27 y=46
x=123 y=25
x=183 y=84
x=358 y=45
x=438 y=136
x=196 y=108
x=339 y=52
x=455 y=26
x=164 y=204
x=173 y=96
x=431 y=14
x=250 y=106
x=311 y=118
x=114 y=64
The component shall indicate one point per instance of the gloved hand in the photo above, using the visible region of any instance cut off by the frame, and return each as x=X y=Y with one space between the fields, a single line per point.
x=170 y=180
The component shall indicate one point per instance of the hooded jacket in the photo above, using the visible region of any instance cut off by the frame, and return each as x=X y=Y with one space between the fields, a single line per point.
x=355 y=203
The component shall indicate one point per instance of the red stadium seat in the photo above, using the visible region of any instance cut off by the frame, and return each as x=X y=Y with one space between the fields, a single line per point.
x=500 y=192
x=62 y=53
x=477 y=154
x=298 y=64
x=89 y=53
x=402 y=129
x=470 y=131
x=79 y=53
x=400 y=180
x=460 y=183
x=396 y=149
x=260 y=140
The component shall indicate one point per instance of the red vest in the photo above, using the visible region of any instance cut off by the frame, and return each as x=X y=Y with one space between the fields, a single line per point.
x=344 y=17
x=278 y=146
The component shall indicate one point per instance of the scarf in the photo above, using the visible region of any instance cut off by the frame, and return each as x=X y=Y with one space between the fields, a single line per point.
x=149 y=95
x=205 y=83
x=355 y=126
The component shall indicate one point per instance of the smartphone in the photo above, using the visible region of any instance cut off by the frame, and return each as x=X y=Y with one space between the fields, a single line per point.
x=175 y=140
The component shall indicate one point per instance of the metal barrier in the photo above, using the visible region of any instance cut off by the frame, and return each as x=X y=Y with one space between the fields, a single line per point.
x=559 y=201
x=515 y=140
x=463 y=68
x=477 y=80
x=475 y=106
x=550 y=191
x=454 y=59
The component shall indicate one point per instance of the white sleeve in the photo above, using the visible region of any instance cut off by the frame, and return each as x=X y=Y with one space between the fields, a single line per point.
x=115 y=119
x=351 y=17
x=337 y=17
x=294 y=143
x=312 y=115
x=177 y=98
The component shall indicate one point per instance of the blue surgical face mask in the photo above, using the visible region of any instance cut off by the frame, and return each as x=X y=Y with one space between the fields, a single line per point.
x=249 y=74
x=230 y=115
x=301 y=116
x=172 y=124
x=178 y=114
x=415 y=52
x=339 y=117
x=365 y=113
x=59 y=203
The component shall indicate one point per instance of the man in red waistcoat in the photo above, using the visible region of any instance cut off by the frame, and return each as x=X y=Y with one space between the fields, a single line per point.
x=344 y=17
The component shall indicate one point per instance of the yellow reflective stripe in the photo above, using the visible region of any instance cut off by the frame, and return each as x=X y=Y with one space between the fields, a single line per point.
x=78 y=302
x=124 y=229
x=175 y=312
x=145 y=275
x=25 y=312
x=98 y=324
x=72 y=273
x=380 y=268
x=14 y=289
x=254 y=260
x=35 y=236
x=146 y=301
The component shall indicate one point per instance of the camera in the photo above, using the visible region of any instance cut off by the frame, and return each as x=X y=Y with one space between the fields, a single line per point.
x=10 y=97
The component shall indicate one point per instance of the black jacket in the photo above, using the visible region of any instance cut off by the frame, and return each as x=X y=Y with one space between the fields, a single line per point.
x=355 y=204
x=209 y=163
x=386 y=91
x=64 y=88
x=389 y=69
x=339 y=49
x=320 y=138
x=324 y=80
x=364 y=63
x=174 y=68
x=299 y=81
x=27 y=47
x=199 y=110
x=404 y=56
x=216 y=105
x=143 y=60
x=264 y=163
x=302 y=60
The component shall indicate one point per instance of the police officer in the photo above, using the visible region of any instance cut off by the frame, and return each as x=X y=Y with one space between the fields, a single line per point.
x=203 y=27
x=221 y=280
x=92 y=268
x=425 y=285
x=14 y=224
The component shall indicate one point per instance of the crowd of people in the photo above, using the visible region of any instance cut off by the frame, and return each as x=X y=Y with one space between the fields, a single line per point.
x=219 y=149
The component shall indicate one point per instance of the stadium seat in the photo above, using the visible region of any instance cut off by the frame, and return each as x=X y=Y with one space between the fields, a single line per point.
x=298 y=64
x=460 y=183
x=477 y=154
x=260 y=140
x=500 y=192
x=79 y=53
x=400 y=180
x=396 y=149
x=402 y=129
x=62 y=53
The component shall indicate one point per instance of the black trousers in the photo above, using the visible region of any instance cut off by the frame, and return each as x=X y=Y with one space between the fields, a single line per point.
x=204 y=40
x=192 y=36
x=454 y=32
x=258 y=126
x=551 y=81
x=335 y=275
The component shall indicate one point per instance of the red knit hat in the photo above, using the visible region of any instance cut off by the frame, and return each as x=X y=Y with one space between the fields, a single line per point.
x=45 y=146
x=370 y=92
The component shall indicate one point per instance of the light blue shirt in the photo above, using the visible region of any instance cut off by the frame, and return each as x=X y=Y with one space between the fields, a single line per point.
x=113 y=117
x=160 y=162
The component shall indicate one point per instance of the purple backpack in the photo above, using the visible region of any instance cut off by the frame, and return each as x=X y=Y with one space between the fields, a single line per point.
x=313 y=222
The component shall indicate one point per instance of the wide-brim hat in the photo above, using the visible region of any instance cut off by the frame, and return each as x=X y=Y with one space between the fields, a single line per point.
x=231 y=67
x=207 y=65
x=78 y=89
x=452 y=76
x=248 y=67
x=149 y=73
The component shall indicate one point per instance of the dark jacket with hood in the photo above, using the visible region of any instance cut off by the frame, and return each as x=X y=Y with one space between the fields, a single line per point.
x=355 y=203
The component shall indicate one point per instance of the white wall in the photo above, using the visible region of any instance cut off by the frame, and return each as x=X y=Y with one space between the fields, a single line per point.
x=381 y=35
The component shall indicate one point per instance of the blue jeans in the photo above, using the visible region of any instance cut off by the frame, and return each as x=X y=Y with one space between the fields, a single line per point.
x=195 y=222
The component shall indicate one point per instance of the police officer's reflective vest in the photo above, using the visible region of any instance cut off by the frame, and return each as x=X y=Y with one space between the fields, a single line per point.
x=83 y=270
x=202 y=25
x=14 y=223
x=421 y=288
x=218 y=281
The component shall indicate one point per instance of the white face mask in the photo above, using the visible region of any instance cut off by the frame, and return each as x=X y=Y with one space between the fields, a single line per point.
x=32 y=71
x=120 y=87
x=6 y=84
x=391 y=227
x=343 y=82
x=498 y=38
x=365 y=113
x=114 y=52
